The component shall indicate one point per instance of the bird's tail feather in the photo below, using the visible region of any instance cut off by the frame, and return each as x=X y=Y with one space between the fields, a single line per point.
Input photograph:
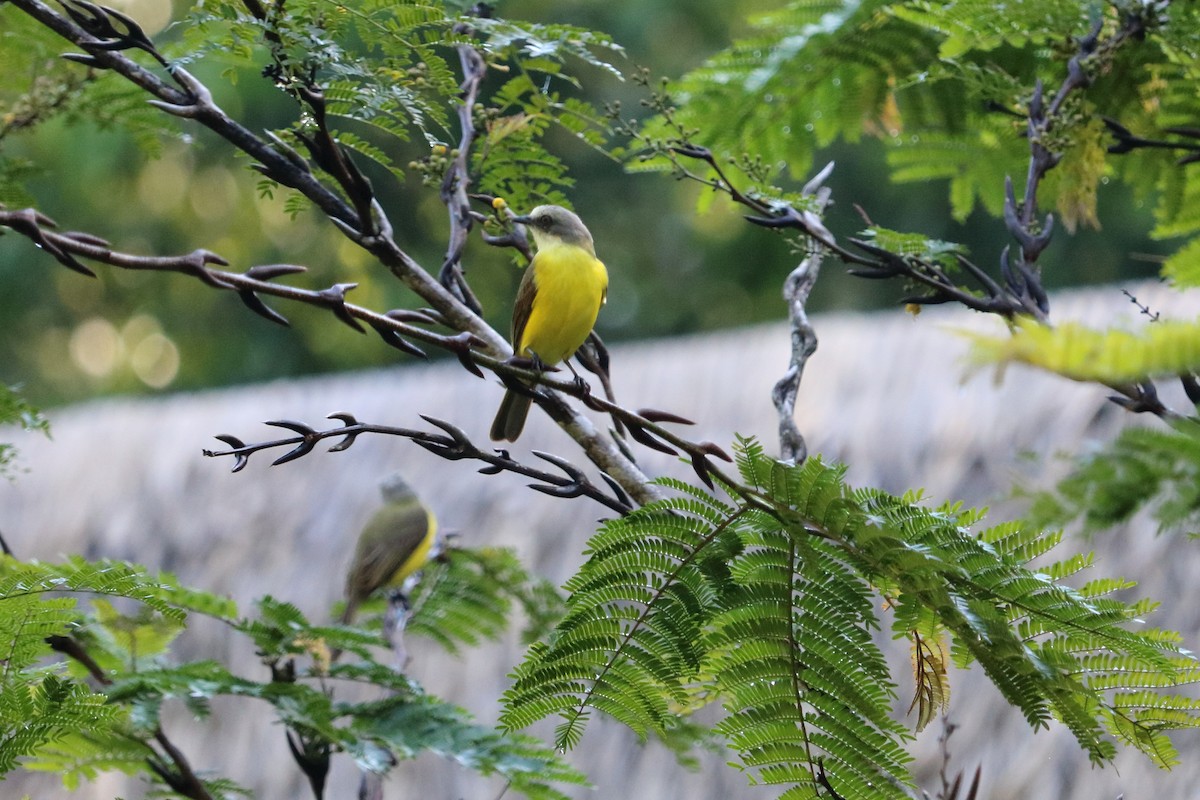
x=510 y=419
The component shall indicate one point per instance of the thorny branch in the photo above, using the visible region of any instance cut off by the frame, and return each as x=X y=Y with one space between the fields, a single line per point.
x=1127 y=142
x=453 y=444
x=394 y=327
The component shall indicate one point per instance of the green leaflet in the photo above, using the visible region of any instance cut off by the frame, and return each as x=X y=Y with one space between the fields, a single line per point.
x=1144 y=468
x=468 y=597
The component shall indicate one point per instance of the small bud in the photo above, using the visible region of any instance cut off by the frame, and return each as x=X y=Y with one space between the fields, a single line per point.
x=499 y=204
x=913 y=308
x=439 y=149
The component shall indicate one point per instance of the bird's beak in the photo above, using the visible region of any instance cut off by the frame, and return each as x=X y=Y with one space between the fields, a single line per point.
x=524 y=219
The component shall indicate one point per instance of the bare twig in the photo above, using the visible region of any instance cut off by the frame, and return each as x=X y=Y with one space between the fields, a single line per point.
x=1128 y=142
x=796 y=289
x=457 y=182
x=452 y=444
x=869 y=261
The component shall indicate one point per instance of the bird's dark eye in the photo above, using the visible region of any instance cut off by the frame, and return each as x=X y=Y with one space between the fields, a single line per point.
x=545 y=220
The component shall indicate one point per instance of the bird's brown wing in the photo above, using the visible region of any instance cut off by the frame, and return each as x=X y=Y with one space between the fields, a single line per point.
x=523 y=306
x=379 y=555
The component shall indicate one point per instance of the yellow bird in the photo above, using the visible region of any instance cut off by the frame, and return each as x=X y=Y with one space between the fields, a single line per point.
x=557 y=302
x=395 y=543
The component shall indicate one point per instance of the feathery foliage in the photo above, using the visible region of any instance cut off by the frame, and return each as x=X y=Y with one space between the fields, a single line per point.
x=14 y=410
x=946 y=86
x=388 y=72
x=766 y=604
x=41 y=705
x=468 y=596
x=1145 y=468
x=51 y=721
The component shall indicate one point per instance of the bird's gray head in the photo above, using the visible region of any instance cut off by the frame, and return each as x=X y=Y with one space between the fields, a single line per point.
x=550 y=224
x=395 y=489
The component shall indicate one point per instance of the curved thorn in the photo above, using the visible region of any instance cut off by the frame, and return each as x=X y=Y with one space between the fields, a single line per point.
x=714 y=449
x=620 y=493
x=441 y=448
x=411 y=315
x=456 y=433
x=566 y=490
x=785 y=221
x=345 y=443
x=925 y=299
x=292 y=425
x=255 y=304
x=266 y=272
x=643 y=436
x=67 y=260
x=872 y=273
x=390 y=337
x=654 y=415
x=566 y=466
x=83 y=237
x=86 y=60
x=335 y=299
x=230 y=440
x=302 y=449
x=700 y=466
x=174 y=109
x=461 y=345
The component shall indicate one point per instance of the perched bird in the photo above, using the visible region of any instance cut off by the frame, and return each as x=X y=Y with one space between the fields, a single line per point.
x=395 y=543
x=557 y=303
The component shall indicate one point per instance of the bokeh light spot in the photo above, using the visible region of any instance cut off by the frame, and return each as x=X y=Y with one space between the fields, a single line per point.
x=155 y=360
x=95 y=347
x=213 y=194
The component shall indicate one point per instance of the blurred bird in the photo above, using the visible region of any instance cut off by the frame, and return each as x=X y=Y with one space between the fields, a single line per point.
x=557 y=303
x=395 y=543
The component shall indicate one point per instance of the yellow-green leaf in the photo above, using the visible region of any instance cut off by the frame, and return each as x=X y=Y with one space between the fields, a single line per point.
x=1079 y=174
x=1183 y=267
x=1083 y=354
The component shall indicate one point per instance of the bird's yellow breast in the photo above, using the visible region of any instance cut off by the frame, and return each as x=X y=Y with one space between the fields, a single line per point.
x=419 y=556
x=571 y=284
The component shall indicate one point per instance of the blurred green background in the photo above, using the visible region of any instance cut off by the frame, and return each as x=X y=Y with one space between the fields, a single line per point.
x=673 y=270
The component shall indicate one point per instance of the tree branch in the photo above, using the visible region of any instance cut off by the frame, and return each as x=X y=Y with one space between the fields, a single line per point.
x=453 y=445
x=796 y=288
